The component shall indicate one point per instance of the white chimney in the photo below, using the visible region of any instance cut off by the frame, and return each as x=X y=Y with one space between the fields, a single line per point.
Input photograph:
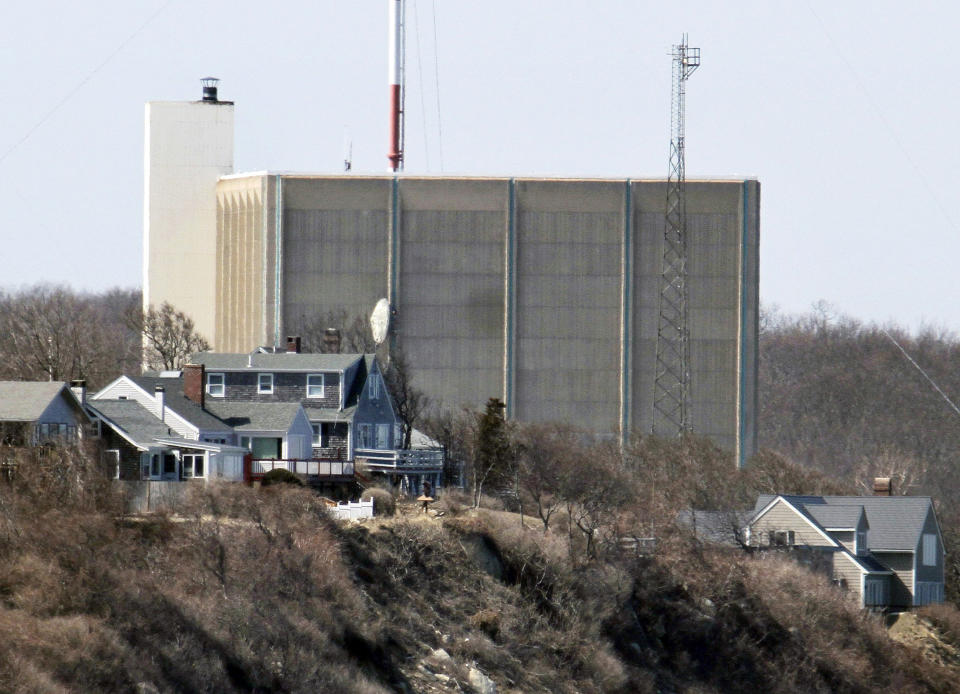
x=160 y=393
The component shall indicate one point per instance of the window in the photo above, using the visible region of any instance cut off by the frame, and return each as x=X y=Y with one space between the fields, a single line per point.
x=315 y=383
x=929 y=549
x=245 y=442
x=191 y=465
x=155 y=465
x=111 y=458
x=265 y=384
x=861 y=542
x=374 y=387
x=383 y=436
x=781 y=538
x=317 y=434
x=365 y=436
x=215 y=386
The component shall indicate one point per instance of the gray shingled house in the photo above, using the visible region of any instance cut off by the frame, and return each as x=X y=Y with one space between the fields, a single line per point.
x=887 y=550
x=350 y=411
x=143 y=446
x=32 y=413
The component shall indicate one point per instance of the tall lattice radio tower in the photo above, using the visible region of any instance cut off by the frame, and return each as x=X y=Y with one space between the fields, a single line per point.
x=671 y=396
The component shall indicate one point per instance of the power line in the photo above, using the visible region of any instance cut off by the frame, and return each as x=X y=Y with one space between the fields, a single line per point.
x=436 y=79
x=924 y=373
x=423 y=102
x=883 y=120
x=82 y=83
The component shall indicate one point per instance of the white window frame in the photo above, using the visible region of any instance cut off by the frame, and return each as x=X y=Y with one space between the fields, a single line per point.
x=374 y=390
x=383 y=437
x=861 y=547
x=312 y=387
x=317 y=439
x=188 y=462
x=929 y=549
x=365 y=433
x=216 y=390
x=260 y=379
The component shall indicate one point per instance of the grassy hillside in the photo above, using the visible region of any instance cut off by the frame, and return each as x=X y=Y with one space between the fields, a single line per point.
x=257 y=590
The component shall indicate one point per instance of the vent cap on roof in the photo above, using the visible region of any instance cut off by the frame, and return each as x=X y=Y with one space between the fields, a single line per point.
x=210 y=88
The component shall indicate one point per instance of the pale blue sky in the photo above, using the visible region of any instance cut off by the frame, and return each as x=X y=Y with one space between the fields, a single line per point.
x=844 y=111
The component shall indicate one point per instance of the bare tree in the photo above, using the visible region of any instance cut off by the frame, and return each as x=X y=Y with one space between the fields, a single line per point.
x=355 y=334
x=169 y=336
x=53 y=333
x=546 y=457
x=410 y=403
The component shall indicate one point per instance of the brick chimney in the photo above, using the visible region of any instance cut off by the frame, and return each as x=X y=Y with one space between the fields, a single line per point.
x=293 y=344
x=331 y=341
x=882 y=486
x=194 y=387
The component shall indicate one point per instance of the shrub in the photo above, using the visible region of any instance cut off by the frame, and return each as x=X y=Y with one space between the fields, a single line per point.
x=383 y=502
x=281 y=476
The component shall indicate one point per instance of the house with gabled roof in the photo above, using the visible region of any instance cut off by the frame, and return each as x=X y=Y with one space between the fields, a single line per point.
x=888 y=550
x=351 y=413
x=37 y=412
x=143 y=447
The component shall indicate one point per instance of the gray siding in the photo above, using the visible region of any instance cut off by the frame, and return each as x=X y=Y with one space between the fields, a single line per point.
x=782 y=517
x=845 y=538
x=374 y=412
x=901 y=583
x=287 y=387
x=930 y=573
x=847 y=571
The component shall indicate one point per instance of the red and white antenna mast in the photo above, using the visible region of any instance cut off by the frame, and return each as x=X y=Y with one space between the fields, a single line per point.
x=395 y=78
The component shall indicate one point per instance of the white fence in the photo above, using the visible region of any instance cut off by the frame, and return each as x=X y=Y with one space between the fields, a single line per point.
x=351 y=510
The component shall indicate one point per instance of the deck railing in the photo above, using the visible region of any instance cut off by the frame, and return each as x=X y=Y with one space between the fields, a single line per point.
x=425 y=459
x=312 y=469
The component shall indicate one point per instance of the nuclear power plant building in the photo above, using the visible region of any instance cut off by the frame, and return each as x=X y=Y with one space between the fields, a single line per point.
x=541 y=292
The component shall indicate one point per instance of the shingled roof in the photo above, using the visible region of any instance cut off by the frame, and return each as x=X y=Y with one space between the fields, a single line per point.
x=896 y=522
x=175 y=400
x=131 y=418
x=26 y=401
x=256 y=416
x=285 y=361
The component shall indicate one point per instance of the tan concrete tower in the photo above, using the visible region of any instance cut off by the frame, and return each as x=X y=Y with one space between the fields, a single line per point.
x=188 y=146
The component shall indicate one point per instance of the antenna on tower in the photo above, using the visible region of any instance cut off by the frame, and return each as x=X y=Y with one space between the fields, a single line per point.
x=671 y=388
x=396 y=78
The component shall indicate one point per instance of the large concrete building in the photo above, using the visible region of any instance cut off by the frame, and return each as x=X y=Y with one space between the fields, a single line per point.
x=188 y=146
x=542 y=292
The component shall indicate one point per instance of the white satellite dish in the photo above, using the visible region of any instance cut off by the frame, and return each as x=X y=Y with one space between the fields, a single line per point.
x=380 y=321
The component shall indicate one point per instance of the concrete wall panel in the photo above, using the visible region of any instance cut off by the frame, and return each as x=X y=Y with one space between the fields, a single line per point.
x=537 y=291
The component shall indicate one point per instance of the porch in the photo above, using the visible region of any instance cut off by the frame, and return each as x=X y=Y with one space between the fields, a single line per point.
x=313 y=470
x=424 y=460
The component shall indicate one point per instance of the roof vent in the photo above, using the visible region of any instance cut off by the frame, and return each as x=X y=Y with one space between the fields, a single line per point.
x=210 y=88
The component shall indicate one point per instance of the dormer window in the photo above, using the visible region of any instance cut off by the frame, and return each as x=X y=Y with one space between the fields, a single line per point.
x=374 y=387
x=215 y=387
x=861 y=542
x=315 y=385
x=265 y=384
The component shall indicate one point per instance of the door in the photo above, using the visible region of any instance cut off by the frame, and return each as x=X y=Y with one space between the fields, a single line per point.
x=170 y=466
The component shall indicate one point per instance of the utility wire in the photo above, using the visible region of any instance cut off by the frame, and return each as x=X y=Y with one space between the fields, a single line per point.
x=883 y=120
x=82 y=83
x=930 y=380
x=436 y=79
x=423 y=103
